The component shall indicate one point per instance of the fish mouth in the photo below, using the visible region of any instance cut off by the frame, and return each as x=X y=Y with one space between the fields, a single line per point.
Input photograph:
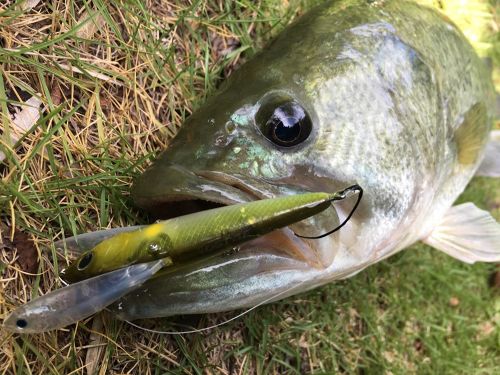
x=170 y=190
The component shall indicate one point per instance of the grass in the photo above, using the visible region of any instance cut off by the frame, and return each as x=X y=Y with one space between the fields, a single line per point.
x=117 y=81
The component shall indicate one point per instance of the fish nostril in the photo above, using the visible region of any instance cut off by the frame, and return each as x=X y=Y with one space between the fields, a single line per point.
x=85 y=261
x=21 y=323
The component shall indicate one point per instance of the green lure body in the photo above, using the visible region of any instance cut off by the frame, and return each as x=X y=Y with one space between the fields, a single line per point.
x=183 y=239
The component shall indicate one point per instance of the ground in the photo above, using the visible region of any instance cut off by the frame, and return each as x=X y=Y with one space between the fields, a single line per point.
x=116 y=80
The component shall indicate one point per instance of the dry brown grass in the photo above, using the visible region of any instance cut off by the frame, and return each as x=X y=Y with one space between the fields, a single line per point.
x=116 y=80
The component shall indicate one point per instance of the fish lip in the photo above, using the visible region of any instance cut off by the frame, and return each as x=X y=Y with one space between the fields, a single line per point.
x=168 y=183
x=236 y=182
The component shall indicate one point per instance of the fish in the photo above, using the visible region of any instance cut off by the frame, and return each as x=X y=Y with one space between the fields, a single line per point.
x=385 y=94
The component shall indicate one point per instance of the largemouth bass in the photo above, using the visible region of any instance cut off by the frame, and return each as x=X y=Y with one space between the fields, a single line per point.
x=386 y=94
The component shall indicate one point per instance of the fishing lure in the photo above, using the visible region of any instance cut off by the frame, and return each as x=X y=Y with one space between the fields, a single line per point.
x=196 y=234
x=185 y=238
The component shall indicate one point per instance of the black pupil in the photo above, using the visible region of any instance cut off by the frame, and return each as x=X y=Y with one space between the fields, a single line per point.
x=285 y=129
x=285 y=122
x=85 y=261
x=288 y=124
x=21 y=323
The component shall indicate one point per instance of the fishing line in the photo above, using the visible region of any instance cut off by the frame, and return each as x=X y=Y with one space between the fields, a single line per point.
x=341 y=195
x=218 y=324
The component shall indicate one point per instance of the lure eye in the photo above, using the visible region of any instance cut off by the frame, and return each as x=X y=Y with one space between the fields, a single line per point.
x=285 y=123
x=160 y=246
x=85 y=261
x=21 y=323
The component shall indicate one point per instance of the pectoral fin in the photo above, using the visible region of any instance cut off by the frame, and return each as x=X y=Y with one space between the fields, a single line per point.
x=470 y=136
x=490 y=167
x=468 y=234
x=77 y=301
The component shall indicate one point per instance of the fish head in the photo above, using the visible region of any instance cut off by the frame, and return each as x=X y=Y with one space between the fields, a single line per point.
x=332 y=102
x=260 y=136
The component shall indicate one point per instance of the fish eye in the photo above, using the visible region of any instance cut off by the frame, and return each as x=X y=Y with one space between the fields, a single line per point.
x=21 y=323
x=284 y=122
x=85 y=261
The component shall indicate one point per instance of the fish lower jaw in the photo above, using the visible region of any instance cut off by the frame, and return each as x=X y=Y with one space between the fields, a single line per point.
x=307 y=251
